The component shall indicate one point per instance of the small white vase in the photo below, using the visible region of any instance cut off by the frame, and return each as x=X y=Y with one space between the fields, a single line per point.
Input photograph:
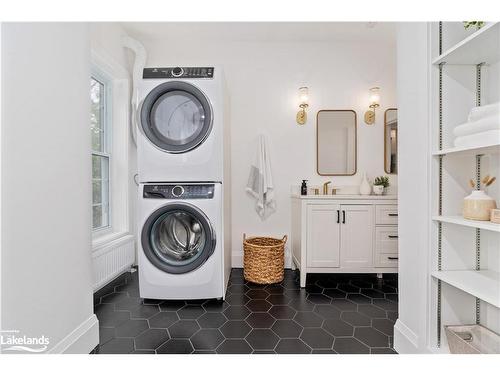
x=364 y=188
x=378 y=189
x=477 y=206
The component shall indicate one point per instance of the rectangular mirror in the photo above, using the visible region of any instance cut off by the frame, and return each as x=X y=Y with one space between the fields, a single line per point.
x=391 y=141
x=336 y=142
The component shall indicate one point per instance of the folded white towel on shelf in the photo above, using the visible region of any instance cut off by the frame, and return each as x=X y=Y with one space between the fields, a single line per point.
x=478 y=126
x=483 y=111
x=260 y=181
x=486 y=138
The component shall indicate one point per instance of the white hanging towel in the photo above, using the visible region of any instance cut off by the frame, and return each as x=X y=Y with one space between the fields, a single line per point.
x=260 y=182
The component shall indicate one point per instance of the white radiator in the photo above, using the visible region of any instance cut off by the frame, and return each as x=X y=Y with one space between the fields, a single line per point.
x=112 y=259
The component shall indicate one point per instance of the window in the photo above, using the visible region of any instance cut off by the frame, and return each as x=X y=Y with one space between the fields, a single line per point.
x=100 y=135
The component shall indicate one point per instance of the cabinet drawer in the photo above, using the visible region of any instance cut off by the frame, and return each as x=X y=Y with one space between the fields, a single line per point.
x=386 y=239
x=386 y=214
x=386 y=260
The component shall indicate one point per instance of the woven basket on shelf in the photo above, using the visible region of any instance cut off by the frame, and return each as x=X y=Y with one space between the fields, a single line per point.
x=264 y=259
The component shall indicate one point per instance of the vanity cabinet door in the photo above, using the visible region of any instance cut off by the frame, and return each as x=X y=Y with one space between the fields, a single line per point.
x=323 y=235
x=357 y=236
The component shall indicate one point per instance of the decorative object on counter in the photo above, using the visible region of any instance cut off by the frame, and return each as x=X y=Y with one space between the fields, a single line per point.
x=365 y=188
x=380 y=184
x=472 y=339
x=316 y=191
x=374 y=103
x=495 y=216
x=334 y=191
x=471 y=24
x=264 y=259
x=303 y=104
x=482 y=127
x=477 y=206
x=303 y=188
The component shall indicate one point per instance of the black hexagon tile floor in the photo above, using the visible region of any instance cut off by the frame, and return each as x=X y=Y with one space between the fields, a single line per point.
x=335 y=313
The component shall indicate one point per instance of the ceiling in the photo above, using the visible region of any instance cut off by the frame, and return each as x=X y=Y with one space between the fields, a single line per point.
x=380 y=32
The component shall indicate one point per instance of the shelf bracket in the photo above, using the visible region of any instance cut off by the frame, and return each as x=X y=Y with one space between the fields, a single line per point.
x=440 y=139
x=440 y=38
x=478 y=187
x=440 y=189
x=478 y=83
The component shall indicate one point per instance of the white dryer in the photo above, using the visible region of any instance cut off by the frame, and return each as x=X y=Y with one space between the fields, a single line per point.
x=183 y=135
x=182 y=252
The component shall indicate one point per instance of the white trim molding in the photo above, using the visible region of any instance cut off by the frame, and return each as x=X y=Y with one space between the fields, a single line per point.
x=405 y=340
x=82 y=340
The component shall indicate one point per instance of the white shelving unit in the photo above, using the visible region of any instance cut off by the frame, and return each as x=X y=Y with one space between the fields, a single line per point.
x=492 y=148
x=481 y=284
x=464 y=268
x=459 y=220
x=482 y=46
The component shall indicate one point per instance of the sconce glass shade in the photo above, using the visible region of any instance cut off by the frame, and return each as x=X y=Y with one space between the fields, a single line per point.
x=374 y=97
x=304 y=96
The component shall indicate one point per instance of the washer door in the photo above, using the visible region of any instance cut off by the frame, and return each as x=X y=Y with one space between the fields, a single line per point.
x=178 y=238
x=176 y=117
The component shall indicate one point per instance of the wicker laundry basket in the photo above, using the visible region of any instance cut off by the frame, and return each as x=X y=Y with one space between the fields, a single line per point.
x=264 y=259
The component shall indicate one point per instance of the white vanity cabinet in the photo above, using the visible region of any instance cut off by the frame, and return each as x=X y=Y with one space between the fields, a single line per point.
x=344 y=234
x=323 y=236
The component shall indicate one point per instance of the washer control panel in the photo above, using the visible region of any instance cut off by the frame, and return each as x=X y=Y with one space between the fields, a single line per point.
x=181 y=191
x=179 y=72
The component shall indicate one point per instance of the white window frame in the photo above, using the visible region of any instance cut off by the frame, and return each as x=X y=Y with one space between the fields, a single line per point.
x=104 y=67
x=107 y=128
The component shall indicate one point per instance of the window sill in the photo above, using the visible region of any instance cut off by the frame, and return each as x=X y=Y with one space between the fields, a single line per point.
x=106 y=239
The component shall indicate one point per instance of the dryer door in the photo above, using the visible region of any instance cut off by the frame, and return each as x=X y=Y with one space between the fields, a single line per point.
x=176 y=117
x=178 y=238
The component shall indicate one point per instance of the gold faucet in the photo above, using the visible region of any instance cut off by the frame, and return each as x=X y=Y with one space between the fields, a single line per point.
x=325 y=187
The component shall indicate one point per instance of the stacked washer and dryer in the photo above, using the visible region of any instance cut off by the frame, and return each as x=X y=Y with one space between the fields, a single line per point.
x=183 y=155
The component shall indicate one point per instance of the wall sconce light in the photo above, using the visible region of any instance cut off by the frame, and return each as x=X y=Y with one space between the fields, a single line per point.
x=303 y=104
x=374 y=100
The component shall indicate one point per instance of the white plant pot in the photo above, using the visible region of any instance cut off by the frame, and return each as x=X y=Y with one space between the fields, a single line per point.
x=378 y=189
x=364 y=187
x=478 y=206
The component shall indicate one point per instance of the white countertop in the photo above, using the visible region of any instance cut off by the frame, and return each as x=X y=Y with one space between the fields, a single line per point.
x=346 y=196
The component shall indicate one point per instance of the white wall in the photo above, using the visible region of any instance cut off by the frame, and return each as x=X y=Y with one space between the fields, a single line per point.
x=263 y=79
x=46 y=194
x=413 y=117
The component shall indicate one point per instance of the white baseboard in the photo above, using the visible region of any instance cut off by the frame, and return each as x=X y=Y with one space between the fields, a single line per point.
x=237 y=260
x=405 y=340
x=82 y=340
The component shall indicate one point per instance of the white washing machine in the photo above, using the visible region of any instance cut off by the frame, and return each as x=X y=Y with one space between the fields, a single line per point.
x=182 y=252
x=183 y=135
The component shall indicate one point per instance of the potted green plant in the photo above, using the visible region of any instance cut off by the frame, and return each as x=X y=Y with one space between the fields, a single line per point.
x=380 y=184
x=473 y=24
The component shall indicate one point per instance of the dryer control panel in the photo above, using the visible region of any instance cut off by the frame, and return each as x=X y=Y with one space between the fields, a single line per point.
x=179 y=72
x=182 y=191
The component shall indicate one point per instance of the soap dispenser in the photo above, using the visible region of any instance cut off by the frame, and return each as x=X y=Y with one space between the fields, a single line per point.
x=303 y=188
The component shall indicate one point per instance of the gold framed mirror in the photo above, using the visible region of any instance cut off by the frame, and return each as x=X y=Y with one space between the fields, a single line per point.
x=391 y=141
x=336 y=142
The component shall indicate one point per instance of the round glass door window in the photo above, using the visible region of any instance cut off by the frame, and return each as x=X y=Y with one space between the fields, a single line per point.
x=178 y=238
x=176 y=117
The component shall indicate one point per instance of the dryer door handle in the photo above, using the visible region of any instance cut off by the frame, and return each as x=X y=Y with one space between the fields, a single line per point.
x=150 y=194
